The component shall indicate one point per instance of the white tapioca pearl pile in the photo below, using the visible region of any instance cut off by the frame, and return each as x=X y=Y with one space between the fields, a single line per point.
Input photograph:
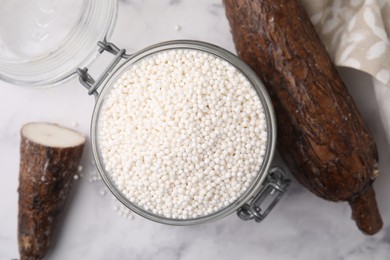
x=182 y=134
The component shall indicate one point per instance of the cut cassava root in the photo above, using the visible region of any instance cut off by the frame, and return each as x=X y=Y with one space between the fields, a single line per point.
x=49 y=157
x=321 y=134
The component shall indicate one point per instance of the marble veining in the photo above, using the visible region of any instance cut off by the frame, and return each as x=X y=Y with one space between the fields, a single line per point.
x=302 y=226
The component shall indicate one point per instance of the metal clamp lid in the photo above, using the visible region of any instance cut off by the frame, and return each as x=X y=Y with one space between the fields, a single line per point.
x=86 y=79
x=274 y=188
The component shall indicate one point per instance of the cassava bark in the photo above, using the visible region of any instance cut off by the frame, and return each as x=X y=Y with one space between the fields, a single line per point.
x=49 y=157
x=321 y=134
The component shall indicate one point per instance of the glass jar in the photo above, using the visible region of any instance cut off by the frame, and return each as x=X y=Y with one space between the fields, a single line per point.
x=52 y=48
x=266 y=188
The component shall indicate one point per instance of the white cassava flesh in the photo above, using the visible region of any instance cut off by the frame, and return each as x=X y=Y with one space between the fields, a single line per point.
x=52 y=135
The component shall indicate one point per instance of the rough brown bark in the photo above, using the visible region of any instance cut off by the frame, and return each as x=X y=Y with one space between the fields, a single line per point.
x=45 y=179
x=321 y=134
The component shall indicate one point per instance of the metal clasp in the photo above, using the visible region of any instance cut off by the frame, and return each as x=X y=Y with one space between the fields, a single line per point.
x=87 y=80
x=274 y=188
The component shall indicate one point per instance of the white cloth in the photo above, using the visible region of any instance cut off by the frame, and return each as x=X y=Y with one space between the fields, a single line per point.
x=355 y=33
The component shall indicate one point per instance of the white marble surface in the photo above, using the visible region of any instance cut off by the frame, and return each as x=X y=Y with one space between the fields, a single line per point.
x=302 y=226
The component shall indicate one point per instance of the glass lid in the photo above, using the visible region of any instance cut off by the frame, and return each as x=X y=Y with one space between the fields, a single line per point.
x=42 y=42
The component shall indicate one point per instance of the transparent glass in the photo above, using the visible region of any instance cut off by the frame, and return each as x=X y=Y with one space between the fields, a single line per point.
x=257 y=85
x=42 y=42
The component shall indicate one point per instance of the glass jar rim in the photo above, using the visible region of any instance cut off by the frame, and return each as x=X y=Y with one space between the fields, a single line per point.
x=77 y=49
x=261 y=92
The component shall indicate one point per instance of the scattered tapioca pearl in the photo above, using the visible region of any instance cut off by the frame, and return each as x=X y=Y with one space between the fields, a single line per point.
x=103 y=192
x=123 y=211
